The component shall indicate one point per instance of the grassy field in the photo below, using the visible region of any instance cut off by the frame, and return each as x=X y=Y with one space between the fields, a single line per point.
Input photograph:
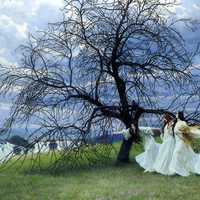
x=100 y=182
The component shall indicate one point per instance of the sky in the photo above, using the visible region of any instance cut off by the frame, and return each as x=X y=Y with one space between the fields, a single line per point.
x=18 y=18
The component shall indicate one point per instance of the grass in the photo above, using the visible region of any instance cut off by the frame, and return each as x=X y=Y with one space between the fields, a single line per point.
x=100 y=182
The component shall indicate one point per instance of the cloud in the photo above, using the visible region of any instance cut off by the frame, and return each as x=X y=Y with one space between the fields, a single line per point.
x=189 y=8
x=19 y=17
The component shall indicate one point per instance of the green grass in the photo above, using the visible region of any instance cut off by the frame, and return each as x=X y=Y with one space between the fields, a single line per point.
x=99 y=182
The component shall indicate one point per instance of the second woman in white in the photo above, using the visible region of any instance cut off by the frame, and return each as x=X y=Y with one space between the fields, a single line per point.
x=164 y=156
x=184 y=159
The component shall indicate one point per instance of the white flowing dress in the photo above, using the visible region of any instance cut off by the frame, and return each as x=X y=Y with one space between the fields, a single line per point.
x=147 y=158
x=164 y=156
x=184 y=159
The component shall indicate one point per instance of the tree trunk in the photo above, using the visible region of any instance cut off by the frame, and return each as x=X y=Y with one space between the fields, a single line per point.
x=123 y=155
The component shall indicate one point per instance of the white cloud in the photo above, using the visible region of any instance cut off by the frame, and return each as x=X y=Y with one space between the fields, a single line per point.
x=19 y=17
x=196 y=6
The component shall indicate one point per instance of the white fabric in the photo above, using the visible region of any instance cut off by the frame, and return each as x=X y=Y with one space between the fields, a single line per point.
x=184 y=159
x=171 y=157
x=164 y=156
x=147 y=158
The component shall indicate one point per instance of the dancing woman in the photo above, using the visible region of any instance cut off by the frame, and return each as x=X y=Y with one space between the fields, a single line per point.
x=164 y=156
x=147 y=158
x=184 y=160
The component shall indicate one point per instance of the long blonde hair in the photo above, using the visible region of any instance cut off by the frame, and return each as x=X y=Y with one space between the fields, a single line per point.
x=187 y=136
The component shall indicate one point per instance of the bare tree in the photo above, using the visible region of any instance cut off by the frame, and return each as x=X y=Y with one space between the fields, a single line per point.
x=103 y=66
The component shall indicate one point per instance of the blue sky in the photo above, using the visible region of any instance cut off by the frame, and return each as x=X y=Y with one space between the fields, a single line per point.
x=18 y=18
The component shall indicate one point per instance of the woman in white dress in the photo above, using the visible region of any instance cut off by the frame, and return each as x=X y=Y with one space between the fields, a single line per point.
x=184 y=159
x=164 y=156
x=157 y=157
x=151 y=148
